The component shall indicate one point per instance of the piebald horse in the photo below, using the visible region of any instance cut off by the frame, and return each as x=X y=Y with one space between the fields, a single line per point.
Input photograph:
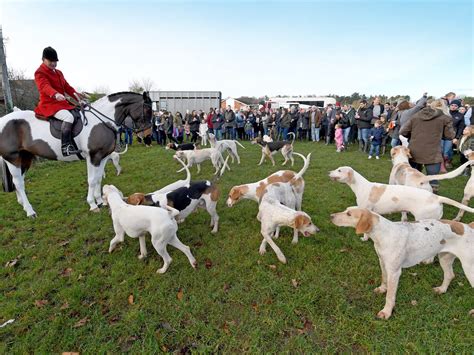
x=23 y=136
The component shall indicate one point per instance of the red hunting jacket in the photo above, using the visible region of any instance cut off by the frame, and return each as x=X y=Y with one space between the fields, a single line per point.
x=50 y=82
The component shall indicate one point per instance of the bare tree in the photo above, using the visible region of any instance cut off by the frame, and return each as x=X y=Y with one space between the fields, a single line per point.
x=136 y=86
x=145 y=84
x=148 y=84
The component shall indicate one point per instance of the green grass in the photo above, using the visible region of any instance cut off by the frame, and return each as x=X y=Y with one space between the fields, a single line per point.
x=239 y=302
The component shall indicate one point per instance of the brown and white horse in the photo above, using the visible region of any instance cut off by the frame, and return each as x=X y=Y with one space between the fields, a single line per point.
x=23 y=136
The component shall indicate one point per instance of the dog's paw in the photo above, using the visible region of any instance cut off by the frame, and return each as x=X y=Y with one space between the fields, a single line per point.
x=194 y=264
x=439 y=290
x=383 y=315
x=282 y=259
x=142 y=256
x=162 y=270
x=428 y=261
x=262 y=251
x=380 y=289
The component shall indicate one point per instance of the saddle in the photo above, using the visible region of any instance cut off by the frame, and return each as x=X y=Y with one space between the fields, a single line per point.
x=55 y=124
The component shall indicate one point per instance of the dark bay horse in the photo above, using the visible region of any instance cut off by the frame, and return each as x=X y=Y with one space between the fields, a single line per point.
x=23 y=136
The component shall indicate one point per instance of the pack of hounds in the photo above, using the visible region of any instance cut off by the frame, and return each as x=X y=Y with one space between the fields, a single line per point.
x=279 y=197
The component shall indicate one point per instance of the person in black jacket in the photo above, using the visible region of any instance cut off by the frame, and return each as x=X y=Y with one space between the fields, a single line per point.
x=458 y=125
x=364 y=117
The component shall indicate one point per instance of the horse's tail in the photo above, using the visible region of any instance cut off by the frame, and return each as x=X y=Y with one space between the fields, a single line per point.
x=7 y=179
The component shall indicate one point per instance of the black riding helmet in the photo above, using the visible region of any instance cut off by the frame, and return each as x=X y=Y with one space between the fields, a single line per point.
x=50 y=54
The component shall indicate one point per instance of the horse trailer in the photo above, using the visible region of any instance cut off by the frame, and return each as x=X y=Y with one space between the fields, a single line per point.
x=181 y=101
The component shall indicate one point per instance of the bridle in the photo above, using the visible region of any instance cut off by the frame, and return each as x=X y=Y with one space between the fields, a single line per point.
x=86 y=107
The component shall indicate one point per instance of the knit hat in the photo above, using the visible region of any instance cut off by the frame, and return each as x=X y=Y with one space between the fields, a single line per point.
x=50 y=54
x=456 y=102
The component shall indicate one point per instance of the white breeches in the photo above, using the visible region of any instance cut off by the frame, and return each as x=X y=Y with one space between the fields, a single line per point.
x=64 y=115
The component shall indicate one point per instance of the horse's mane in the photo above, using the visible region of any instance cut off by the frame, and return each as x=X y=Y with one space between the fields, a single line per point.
x=123 y=93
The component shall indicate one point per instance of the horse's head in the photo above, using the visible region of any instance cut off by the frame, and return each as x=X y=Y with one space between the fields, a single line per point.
x=136 y=106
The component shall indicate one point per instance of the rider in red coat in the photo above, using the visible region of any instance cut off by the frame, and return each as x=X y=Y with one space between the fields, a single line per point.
x=53 y=87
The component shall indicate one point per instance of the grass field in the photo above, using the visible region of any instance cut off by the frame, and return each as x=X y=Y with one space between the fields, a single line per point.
x=66 y=293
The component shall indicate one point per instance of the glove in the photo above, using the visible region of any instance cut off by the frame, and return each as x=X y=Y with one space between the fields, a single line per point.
x=59 y=97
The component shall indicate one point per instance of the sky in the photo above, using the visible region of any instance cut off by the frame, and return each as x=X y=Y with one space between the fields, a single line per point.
x=250 y=48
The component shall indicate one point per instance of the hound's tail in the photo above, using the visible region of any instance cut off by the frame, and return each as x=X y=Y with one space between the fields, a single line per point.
x=450 y=175
x=125 y=150
x=294 y=136
x=239 y=144
x=185 y=166
x=305 y=165
x=448 y=201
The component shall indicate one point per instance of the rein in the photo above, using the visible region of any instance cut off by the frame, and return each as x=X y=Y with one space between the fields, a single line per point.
x=86 y=107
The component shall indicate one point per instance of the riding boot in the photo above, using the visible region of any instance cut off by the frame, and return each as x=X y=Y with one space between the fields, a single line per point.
x=66 y=140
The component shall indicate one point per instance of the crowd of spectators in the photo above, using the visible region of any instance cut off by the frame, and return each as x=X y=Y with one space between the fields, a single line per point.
x=371 y=126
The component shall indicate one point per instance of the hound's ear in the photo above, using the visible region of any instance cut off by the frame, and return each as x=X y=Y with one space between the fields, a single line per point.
x=365 y=223
x=350 y=177
x=300 y=221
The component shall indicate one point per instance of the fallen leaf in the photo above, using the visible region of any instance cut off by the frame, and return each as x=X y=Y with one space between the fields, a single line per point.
x=64 y=243
x=273 y=267
x=11 y=263
x=167 y=326
x=69 y=353
x=471 y=313
x=413 y=273
x=208 y=264
x=226 y=287
x=225 y=328
x=294 y=283
x=164 y=348
x=344 y=250
x=80 y=277
x=81 y=322
x=66 y=272
x=34 y=257
x=460 y=284
x=179 y=296
x=41 y=303
x=255 y=306
x=414 y=302
x=268 y=301
x=307 y=327
x=64 y=306
x=130 y=299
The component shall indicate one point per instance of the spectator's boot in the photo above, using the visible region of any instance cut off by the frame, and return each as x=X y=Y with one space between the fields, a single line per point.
x=442 y=169
x=66 y=140
x=361 y=146
x=448 y=164
x=366 y=147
